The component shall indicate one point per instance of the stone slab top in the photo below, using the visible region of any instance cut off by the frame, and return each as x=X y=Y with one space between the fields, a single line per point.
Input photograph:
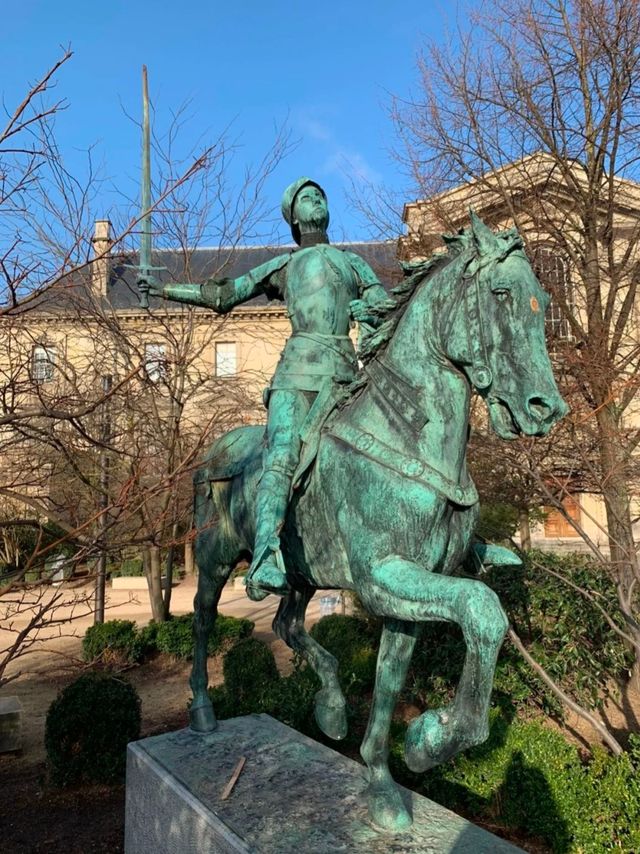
x=296 y=795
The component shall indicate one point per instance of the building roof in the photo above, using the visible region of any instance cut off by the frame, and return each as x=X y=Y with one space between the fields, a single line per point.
x=74 y=293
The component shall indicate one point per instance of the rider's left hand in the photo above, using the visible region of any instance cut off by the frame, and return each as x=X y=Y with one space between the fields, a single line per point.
x=360 y=311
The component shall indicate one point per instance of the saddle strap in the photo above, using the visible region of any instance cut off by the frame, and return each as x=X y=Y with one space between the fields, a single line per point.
x=404 y=465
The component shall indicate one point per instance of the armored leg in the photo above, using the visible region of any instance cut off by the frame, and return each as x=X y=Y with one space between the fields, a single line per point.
x=287 y=411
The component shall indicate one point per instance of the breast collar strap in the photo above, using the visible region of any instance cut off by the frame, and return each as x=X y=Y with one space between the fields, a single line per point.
x=397 y=394
x=411 y=468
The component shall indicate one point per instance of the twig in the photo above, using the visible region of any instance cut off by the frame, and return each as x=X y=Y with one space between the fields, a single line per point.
x=599 y=727
x=234 y=778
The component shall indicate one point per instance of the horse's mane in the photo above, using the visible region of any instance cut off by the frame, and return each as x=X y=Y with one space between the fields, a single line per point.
x=375 y=341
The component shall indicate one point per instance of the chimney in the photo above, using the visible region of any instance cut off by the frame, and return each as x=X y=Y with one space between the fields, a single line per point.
x=100 y=265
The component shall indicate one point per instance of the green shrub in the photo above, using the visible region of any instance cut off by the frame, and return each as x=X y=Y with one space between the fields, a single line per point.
x=115 y=643
x=148 y=638
x=175 y=637
x=88 y=728
x=252 y=685
x=497 y=522
x=250 y=676
x=354 y=643
x=130 y=567
x=529 y=778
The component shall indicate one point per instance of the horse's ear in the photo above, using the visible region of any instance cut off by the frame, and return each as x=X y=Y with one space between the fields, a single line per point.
x=455 y=243
x=483 y=237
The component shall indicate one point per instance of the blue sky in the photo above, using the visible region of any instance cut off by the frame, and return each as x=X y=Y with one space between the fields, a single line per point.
x=327 y=70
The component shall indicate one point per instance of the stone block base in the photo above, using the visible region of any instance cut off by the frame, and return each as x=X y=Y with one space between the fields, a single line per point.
x=293 y=796
x=10 y=724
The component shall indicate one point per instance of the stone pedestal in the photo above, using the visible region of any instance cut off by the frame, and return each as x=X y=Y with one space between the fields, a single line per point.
x=293 y=796
x=10 y=724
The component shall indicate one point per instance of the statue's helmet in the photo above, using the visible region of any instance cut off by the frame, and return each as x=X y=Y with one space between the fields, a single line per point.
x=288 y=201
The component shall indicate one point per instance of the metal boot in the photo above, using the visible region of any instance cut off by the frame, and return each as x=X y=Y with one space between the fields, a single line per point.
x=267 y=573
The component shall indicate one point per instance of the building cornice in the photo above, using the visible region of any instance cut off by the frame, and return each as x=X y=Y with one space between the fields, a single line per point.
x=140 y=316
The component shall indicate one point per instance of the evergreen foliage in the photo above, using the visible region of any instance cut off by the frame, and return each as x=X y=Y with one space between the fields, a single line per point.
x=88 y=728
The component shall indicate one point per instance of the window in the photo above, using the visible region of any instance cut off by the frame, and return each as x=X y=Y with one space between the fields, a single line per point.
x=555 y=524
x=226 y=360
x=552 y=270
x=155 y=361
x=43 y=363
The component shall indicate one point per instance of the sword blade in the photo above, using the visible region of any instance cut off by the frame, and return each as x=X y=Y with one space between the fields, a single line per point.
x=145 y=237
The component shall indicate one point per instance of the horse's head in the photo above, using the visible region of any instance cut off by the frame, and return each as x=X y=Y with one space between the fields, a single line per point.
x=497 y=335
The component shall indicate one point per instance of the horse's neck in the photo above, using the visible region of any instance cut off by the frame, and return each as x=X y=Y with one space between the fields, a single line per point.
x=442 y=393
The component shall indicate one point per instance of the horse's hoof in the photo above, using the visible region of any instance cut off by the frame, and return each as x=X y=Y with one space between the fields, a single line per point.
x=202 y=719
x=431 y=740
x=386 y=807
x=331 y=717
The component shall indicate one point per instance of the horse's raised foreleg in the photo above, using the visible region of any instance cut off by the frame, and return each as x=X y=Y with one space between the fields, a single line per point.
x=402 y=589
x=330 y=707
x=397 y=641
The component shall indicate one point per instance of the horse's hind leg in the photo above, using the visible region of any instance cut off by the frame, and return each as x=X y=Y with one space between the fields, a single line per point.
x=211 y=580
x=330 y=706
x=400 y=588
x=397 y=641
x=214 y=567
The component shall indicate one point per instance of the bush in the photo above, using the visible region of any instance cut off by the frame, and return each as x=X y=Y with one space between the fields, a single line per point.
x=497 y=522
x=355 y=645
x=88 y=728
x=175 y=637
x=130 y=567
x=252 y=685
x=250 y=679
x=115 y=643
x=530 y=779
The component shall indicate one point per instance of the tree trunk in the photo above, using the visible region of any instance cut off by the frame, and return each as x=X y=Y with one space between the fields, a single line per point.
x=189 y=563
x=615 y=493
x=153 y=573
x=525 y=530
x=169 y=583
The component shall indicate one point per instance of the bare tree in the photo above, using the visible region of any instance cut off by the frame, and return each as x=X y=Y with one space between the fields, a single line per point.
x=59 y=337
x=534 y=107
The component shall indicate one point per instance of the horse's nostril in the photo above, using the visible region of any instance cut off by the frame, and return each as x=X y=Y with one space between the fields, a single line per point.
x=539 y=408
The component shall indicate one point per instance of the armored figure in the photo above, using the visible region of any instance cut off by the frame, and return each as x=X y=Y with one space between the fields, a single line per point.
x=324 y=289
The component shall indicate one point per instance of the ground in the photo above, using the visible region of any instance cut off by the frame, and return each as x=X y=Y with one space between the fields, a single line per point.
x=36 y=818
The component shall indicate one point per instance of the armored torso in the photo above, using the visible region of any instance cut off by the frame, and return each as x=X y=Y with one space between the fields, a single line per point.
x=319 y=285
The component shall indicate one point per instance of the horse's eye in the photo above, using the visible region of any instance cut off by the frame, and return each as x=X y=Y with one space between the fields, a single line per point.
x=502 y=294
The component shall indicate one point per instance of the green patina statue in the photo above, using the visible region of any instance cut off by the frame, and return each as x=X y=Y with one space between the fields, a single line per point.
x=324 y=289
x=384 y=505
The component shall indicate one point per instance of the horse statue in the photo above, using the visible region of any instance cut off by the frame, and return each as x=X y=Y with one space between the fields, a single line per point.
x=387 y=508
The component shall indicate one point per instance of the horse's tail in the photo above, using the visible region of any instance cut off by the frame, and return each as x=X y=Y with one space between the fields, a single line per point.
x=230 y=457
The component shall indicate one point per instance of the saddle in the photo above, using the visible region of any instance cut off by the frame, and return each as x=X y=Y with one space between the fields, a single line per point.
x=232 y=453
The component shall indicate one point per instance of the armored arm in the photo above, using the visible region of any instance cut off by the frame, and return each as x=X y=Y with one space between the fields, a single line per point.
x=222 y=295
x=374 y=302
